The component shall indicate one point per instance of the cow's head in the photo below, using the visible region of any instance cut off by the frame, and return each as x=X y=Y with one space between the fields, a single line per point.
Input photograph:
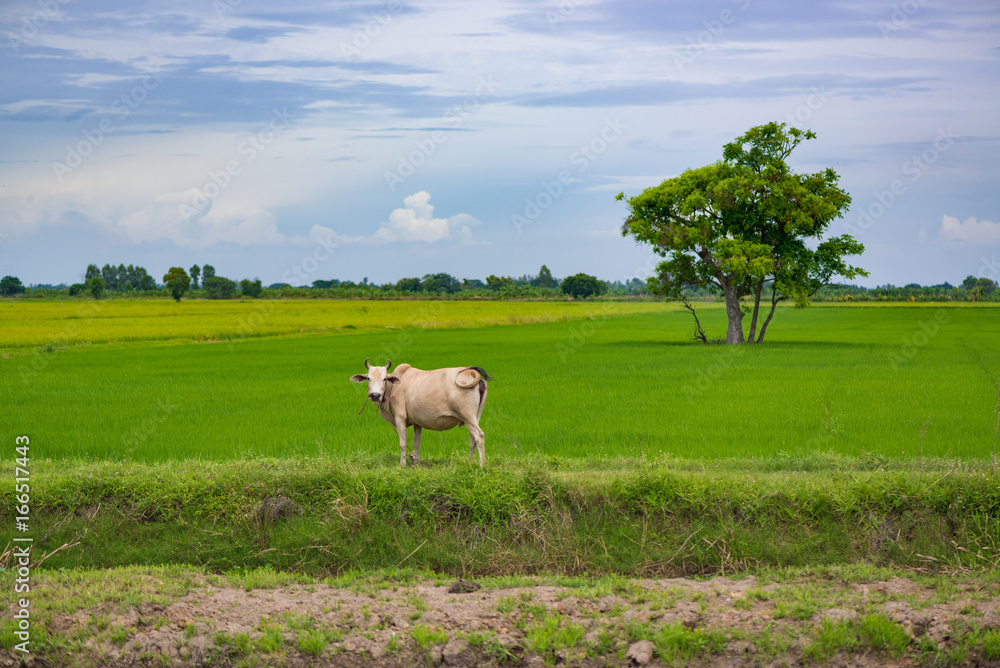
x=377 y=379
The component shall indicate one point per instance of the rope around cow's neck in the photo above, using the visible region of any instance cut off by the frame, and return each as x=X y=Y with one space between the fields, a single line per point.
x=381 y=401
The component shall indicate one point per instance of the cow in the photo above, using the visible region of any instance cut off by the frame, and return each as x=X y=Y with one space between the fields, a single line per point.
x=438 y=400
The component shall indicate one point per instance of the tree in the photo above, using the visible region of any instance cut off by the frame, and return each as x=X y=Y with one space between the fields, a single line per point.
x=96 y=286
x=92 y=271
x=744 y=224
x=440 y=283
x=207 y=272
x=250 y=288
x=495 y=283
x=146 y=281
x=195 y=273
x=986 y=285
x=544 y=278
x=110 y=275
x=177 y=281
x=218 y=287
x=10 y=286
x=409 y=285
x=581 y=285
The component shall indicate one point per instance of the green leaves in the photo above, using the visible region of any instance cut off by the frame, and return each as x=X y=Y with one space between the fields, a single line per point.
x=745 y=221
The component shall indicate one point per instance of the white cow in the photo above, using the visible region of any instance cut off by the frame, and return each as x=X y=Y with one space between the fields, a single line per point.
x=438 y=399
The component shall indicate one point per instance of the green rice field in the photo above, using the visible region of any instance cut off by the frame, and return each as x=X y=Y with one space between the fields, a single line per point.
x=156 y=381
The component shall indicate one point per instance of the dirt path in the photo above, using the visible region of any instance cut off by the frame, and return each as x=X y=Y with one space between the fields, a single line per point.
x=618 y=622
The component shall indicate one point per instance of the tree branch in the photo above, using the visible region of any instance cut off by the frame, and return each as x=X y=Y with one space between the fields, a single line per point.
x=774 y=302
x=699 y=332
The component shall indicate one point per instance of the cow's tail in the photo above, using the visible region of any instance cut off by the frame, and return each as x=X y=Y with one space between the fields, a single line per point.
x=481 y=381
x=481 y=371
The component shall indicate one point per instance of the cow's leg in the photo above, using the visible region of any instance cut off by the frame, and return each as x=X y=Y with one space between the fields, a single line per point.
x=477 y=441
x=401 y=430
x=417 y=431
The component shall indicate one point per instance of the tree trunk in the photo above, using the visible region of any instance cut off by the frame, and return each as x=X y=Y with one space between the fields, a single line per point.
x=734 y=334
x=756 y=310
x=774 y=302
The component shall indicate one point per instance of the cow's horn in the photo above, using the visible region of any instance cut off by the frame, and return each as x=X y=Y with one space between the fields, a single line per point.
x=367 y=365
x=388 y=363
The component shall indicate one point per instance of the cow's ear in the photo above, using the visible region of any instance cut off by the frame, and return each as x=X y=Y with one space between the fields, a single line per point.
x=392 y=379
x=359 y=378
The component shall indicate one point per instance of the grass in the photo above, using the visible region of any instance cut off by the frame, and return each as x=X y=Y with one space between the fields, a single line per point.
x=874 y=632
x=629 y=516
x=51 y=325
x=427 y=637
x=552 y=633
x=855 y=381
x=857 y=435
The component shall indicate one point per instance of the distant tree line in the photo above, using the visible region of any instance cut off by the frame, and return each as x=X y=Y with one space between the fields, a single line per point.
x=203 y=282
x=972 y=289
x=179 y=282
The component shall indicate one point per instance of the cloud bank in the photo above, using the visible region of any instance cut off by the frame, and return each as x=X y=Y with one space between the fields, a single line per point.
x=970 y=230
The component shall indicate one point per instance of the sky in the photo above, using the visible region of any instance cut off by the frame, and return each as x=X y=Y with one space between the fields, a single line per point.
x=298 y=141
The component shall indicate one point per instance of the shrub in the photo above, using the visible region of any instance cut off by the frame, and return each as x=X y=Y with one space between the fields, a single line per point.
x=251 y=288
x=582 y=285
x=218 y=287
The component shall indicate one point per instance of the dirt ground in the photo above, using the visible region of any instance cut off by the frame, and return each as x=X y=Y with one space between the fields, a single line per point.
x=754 y=624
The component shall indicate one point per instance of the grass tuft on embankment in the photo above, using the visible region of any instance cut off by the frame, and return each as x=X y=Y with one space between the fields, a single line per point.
x=667 y=516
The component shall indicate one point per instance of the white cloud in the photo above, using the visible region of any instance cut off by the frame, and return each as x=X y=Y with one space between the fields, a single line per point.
x=416 y=222
x=970 y=230
x=224 y=222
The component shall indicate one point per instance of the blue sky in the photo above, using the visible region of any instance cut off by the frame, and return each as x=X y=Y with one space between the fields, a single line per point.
x=297 y=141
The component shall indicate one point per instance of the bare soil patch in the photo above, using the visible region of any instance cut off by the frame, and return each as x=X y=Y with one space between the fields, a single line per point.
x=718 y=622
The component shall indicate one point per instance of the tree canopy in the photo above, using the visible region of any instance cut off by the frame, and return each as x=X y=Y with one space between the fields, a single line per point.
x=581 y=285
x=177 y=281
x=10 y=286
x=219 y=287
x=746 y=223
